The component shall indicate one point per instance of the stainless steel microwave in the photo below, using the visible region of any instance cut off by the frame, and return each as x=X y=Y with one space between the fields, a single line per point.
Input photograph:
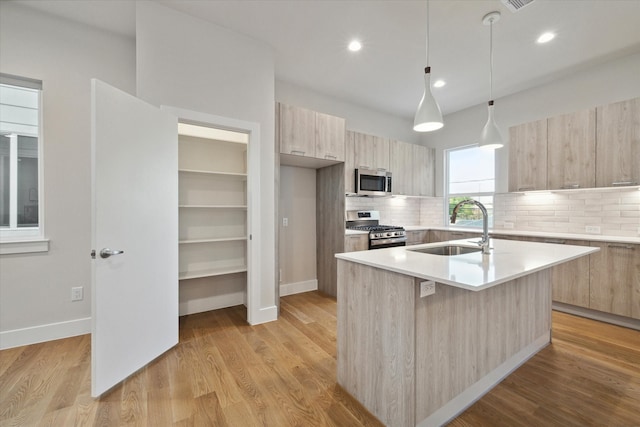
x=373 y=182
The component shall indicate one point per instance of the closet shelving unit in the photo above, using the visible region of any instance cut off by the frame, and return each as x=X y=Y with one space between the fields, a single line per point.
x=212 y=202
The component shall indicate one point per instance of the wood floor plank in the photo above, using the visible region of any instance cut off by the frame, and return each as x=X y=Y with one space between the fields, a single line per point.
x=225 y=372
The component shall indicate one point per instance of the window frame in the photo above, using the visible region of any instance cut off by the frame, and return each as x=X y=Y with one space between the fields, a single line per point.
x=26 y=239
x=475 y=196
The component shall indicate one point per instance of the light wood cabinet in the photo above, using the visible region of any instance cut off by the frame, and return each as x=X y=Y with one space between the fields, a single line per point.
x=615 y=279
x=212 y=197
x=618 y=144
x=401 y=159
x=330 y=134
x=307 y=133
x=570 y=281
x=356 y=242
x=417 y=237
x=424 y=171
x=297 y=130
x=370 y=152
x=349 y=162
x=443 y=235
x=571 y=150
x=528 y=156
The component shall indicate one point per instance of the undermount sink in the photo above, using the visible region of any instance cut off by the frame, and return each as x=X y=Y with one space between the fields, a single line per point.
x=447 y=250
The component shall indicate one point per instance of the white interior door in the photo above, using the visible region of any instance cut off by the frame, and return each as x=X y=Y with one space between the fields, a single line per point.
x=134 y=210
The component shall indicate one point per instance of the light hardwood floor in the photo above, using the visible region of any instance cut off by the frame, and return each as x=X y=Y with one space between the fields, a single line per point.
x=227 y=373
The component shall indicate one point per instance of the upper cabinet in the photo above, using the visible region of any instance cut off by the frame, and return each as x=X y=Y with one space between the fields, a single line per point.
x=591 y=148
x=528 y=156
x=413 y=169
x=370 y=152
x=330 y=134
x=571 y=150
x=618 y=144
x=401 y=163
x=306 y=133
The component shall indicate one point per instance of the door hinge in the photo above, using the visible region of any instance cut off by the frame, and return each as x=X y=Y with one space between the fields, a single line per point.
x=93 y=254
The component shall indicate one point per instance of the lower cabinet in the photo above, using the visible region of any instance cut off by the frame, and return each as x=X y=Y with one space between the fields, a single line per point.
x=356 y=242
x=570 y=281
x=615 y=279
x=443 y=235
x=417 y=237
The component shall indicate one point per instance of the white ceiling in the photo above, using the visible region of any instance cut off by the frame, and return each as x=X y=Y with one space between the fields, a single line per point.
x=309 y=39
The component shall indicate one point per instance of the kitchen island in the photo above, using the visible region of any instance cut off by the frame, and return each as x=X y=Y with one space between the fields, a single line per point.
x=414 y=360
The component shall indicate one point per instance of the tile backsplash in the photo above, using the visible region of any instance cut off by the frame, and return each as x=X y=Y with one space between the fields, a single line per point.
x=401 y=210
x=611 y=212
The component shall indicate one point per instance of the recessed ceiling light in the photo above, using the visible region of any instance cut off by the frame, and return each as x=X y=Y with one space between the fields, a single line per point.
x=439 y=83
x=546 y=37
x=355 y=46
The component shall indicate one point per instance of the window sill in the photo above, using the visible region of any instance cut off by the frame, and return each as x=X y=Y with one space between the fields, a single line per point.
x=24 y=246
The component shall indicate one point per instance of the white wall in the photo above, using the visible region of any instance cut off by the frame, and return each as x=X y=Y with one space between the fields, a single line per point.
x=297 y=251
x=616 y=80
x=188 y=63
x=35 y=289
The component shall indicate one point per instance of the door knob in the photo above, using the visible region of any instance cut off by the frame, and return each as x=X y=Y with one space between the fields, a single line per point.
x=106 y=252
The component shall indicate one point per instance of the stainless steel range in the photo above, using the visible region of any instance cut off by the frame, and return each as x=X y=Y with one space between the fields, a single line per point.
x=380 y=236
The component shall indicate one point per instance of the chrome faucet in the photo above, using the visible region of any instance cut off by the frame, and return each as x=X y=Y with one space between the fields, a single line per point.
x=484 y=243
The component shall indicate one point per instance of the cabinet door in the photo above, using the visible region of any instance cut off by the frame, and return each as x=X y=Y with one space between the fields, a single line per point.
x=615 y=279
x=417 y=237
x=401 y=166
x=570 y=281
x=618 y=144
x=297 y=131
x=424 y=171
x=381 y=153
x=349 y=162
x=330 y=133
x=363 y=151
x=571 y=145
x=528 y=156
x=358 y=242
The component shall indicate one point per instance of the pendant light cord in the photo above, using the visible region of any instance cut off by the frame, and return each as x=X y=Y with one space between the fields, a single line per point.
x=427 y=37
x=491 y=60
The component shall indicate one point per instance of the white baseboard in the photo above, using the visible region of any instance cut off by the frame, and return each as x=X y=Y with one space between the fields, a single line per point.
x=42 y=333
x=264 y=315
x=468 y=397
x=298 y=287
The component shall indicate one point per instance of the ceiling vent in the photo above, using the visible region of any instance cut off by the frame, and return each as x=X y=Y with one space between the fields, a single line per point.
x=516 y=5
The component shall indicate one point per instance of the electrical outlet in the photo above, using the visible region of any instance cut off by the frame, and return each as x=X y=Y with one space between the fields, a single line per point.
x=427 y=288
x=77 y=293
x=285 y=222
x=593 y=229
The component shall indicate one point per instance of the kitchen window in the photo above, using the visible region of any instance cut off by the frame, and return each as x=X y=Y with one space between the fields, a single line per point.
x=20 y=161
x=470 y=174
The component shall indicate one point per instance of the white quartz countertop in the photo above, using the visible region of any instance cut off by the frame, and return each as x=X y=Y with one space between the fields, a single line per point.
x=508 y=260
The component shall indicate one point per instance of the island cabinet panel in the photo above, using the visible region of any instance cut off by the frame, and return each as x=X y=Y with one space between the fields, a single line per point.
x=376 y=324
x=528 y=156
x=571 y=145
x=412 y=361
x=461 y=336
x=618 y=144
x=615 y=279
x=330 y=134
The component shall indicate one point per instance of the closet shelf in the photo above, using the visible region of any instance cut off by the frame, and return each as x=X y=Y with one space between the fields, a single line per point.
x=224 y=239
x=213 y=206
x=220 y=271
x=205 y=172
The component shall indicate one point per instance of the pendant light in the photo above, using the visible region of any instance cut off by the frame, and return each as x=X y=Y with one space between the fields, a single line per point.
x=490 y=138
x=428 y=117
